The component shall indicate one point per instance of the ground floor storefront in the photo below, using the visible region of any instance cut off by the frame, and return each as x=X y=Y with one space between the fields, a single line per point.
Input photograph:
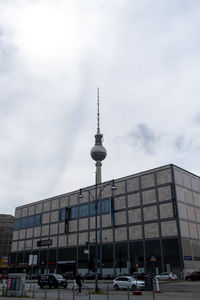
x=126 y=257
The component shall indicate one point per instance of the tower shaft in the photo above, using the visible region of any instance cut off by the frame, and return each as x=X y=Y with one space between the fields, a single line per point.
x=98 y=171
x=98 y=152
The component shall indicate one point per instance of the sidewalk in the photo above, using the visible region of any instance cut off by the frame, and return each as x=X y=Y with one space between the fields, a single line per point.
x=115 y=296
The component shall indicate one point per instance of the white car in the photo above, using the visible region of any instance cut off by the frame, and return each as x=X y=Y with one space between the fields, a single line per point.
x=127 y=282
x=167 y=276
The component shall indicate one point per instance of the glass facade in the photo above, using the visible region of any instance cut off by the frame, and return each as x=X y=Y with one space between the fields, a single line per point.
x=68 y=259
x=27 y=222
x=85 y=210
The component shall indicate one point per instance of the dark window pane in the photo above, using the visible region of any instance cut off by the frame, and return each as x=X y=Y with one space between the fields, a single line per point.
x=62 y=214
x=73 y=212
x=106 y=206
x=17 y=224
x=83 y=210
x=153 y=249
x=30 y=221
x=23 y=223
x=92 y=209
x=68 y=254
x=98 y=207
x=112 y=215
x=136 y=255
x=107 y=256
x=121 y=254
x=38 y=219
x=171 y=251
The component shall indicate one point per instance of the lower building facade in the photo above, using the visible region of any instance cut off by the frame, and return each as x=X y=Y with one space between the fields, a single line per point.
x=6 y=233
x=155 y=213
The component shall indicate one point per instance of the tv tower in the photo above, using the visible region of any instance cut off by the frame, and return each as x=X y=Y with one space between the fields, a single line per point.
x=98 y=152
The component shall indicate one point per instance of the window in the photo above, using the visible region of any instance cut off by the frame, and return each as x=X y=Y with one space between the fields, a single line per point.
x=17 y=224
x=105 y=206
x=83 y=210
x=38 y=220
x=23 y=223
x=93 y=208
x=30 y=221
x=62 y=214
x=73 y=212
x=112 y=215
x=27 y=222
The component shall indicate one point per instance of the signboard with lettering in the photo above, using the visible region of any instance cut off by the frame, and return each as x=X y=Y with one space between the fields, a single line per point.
x=4 y=262
x=187 y=257
x=32 y=260
x=62 y=262
x=8 y=283
x=44 y=243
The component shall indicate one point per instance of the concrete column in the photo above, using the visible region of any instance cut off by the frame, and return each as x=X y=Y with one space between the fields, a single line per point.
x=98 y=171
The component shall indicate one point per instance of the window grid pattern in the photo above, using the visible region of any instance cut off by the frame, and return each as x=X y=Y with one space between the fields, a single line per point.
x=27 y=222
x=86 y=210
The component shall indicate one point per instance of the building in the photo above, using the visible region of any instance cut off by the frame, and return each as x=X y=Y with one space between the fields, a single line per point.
x=6 y=233
x=148 y=221
x=152 y=213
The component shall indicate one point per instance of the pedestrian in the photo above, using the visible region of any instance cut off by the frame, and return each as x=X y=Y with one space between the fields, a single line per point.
x=79 y=280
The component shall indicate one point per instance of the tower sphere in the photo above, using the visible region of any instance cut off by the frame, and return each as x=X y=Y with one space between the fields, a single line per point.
x=98 y=153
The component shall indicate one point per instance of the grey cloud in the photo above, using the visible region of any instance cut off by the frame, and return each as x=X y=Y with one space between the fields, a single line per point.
x=183 y=144
x=179 y=143
x=144 y=138
x=48 y=108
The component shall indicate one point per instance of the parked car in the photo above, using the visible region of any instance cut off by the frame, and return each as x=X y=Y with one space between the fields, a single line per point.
x=167 y=276
x=142 y=275
x=91 y=276
x=193 y=276
x=68 y=275
x=52 y=280
x=109 y=276
x=127 y=282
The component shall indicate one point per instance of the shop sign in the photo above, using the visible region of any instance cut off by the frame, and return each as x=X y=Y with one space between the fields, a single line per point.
x=187 y=257
x=4 y=262
x=63 y=262
x=44 y=243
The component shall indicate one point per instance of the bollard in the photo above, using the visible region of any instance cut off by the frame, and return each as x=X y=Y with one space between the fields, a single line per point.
x=128 y=294
x=45 y=294
x=4 y=287
x=107 y=288
x=89 y=295
x=153 y=290
x=59 y=292
x=33 y=293
x=73 y=292
x=157 y=286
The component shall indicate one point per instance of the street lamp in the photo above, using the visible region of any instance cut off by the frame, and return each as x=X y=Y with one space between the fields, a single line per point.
x=96 y=199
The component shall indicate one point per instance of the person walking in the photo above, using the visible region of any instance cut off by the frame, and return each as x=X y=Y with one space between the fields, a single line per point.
x=79 y=280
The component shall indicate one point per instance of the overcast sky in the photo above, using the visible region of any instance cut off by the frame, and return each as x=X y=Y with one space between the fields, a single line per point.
x=145 y=57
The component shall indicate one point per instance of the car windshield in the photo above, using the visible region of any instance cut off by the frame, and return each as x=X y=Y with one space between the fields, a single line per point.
x=58 y=276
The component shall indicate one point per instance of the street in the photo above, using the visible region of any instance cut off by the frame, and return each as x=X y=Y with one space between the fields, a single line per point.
x=176 y=290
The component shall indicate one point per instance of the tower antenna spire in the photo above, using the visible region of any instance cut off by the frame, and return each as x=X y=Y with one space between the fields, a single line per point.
x=98 y=114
